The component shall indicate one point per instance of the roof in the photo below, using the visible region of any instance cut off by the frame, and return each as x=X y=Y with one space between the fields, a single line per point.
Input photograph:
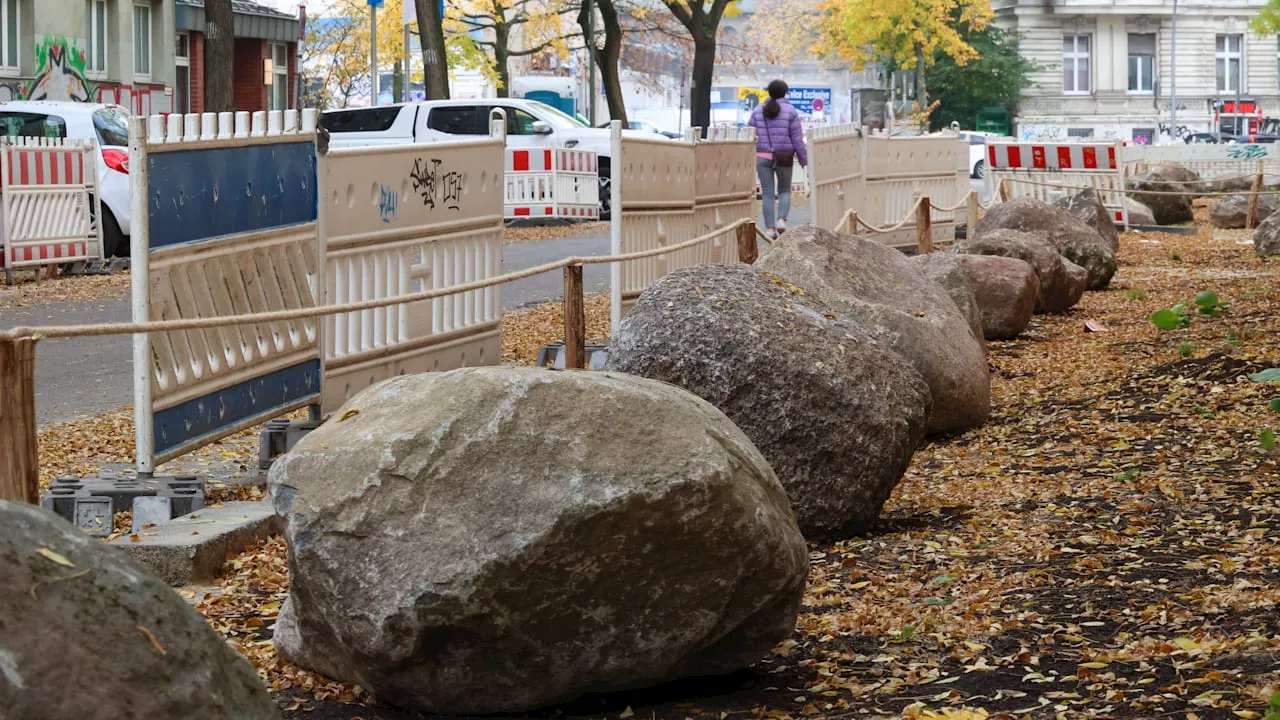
x=244 y=7
x=251 y=20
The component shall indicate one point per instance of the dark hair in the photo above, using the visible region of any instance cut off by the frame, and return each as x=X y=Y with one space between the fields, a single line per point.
x=777 y=90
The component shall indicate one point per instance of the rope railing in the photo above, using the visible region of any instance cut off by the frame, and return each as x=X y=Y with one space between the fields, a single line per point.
x=1130 y=191
x=158 y=326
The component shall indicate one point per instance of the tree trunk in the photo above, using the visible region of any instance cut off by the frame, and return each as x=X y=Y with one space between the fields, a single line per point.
x=704 y=63
x=435 y=60
x=219 y=56
x=607 y=58
x=502 y=58
x=922 y=89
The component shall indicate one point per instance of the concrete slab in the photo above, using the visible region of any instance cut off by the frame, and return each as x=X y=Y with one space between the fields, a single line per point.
x=193 y=548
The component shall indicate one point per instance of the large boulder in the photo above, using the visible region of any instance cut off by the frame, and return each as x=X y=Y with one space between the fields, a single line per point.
x=498 y=539
x=835 y=413
x=1057 y=294
x=1139 y=214
x=1232 y=211
x=1077 y=278
x=1168 y=190
x=1266 y=239
x=885 y=293
x=1006 y=291
x=1086 y=206
x=945 y=270
x=1073 y=239
x=86 y=633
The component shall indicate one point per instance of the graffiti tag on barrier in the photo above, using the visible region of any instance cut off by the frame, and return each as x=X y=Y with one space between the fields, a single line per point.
x=1246 y=152
x=387 y=204
x=436 y=186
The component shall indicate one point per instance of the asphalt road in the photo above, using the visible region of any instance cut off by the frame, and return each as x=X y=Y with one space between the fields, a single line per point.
x=85 y=376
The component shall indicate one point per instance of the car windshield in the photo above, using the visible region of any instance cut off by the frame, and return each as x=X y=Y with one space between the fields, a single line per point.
x=112 y=125
x=559 y=119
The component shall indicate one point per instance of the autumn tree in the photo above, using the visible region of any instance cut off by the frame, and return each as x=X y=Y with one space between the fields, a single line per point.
x=511 y=29
x=904 y=34
x=219 y=56
x=607 y=55
x=435 y=49
x=996 y=77
x=702 y=21
x=781 y=31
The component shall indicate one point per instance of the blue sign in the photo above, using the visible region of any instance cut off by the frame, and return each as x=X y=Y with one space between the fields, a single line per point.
x=810 y=101
x=375 y=3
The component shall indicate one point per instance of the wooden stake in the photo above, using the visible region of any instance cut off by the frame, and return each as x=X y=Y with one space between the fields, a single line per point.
x=852 y=229
x=748 y=251
x=575 y=319
x=1252 y=220
x=924 y=227
x=19 y=466
x=1004 y=190
x=971 y=217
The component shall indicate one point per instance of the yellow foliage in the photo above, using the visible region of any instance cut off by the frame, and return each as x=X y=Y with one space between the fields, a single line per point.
x=901 y=32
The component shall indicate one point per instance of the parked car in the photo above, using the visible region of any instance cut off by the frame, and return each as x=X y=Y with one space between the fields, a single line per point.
x=1204 y=138
x=646 y=126
x=977 y=152
x=108 y=125
x=530 y=124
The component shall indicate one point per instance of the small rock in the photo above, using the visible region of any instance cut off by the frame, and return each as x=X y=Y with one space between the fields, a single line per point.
x=1139 y=214
x=1232 y=211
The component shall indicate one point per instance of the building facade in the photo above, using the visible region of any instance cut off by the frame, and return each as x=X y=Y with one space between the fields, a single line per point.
x=1107 y=68
x=145 y=55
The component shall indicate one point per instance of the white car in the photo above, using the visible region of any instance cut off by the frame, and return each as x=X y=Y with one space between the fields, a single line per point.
x=977 y=152
x=530 y=124
x=108 y=126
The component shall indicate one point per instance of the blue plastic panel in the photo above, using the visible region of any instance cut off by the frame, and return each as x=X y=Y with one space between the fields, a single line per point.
x=194 y=423
x=199 y=195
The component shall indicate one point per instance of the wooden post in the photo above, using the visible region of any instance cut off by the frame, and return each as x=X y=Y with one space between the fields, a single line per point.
x=852 y=229
x=575 y=319
x=971 y=217
x=1252 y=220
x=1004 y=190
x=19 y=468
x=748 y=251
x=924 y=227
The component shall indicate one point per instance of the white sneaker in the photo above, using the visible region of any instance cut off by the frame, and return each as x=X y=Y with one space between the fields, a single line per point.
x=771 y=234
x=782 y=225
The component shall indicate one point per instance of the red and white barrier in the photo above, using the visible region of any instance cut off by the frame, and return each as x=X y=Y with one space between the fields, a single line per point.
x=551 y=183
x=1050 y=171
x=48 y=201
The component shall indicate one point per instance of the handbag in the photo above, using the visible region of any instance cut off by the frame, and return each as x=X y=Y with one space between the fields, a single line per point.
x=781 y=158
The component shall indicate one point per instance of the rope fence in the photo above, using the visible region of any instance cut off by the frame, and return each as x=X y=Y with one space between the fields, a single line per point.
x=1131 y=191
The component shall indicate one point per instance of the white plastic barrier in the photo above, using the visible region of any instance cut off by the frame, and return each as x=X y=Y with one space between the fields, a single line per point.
x=549 y=183
x=901 y=170
x=724 y=185
x=48 y=188
x=837 y=162
x=1211 y=161
x=1053 y=171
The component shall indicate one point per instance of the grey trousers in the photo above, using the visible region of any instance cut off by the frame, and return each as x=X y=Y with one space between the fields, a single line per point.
x=769 y=192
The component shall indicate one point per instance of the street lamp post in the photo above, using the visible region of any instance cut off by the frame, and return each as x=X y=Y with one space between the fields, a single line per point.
x=1173 y=75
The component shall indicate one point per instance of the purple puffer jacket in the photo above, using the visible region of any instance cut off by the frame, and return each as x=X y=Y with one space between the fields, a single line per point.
x=781 y=133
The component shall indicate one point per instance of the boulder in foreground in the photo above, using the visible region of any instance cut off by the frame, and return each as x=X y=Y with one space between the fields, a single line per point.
x=498 y=539
x=1006 y=291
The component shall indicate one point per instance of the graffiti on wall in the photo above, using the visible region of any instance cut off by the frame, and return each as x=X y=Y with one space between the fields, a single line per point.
x=61 y=74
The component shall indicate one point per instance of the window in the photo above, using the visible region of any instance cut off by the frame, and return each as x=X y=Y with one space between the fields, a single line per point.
x=1142 y=63
x=22 y=124
x=1079 y=132
x=1143 y=136
x=519 y=122
x=142 y=41
x=182 y=74
x=1075 y=64
x=1228 y=58
x=279 y=93
x=95 y=37
x=9 y=20
x=458 y=120
x=112 y=125
x=363 y=120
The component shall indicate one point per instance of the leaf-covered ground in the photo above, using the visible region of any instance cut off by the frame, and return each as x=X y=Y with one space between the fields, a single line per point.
x=1107 y=546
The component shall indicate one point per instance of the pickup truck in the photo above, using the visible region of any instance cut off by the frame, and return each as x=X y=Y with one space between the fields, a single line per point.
x=530 y=124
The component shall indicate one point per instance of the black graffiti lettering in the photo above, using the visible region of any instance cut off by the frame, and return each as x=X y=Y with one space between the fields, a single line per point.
x=424 y=177
x=452 y=183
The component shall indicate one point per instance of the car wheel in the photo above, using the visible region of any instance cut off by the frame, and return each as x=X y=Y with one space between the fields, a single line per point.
x=114 y=243
x=980 y=169
x=605 y=187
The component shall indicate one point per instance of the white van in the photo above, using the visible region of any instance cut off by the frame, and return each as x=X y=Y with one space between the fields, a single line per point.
x=530 y=124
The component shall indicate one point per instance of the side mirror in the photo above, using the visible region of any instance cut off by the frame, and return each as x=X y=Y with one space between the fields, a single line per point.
x=541 y=128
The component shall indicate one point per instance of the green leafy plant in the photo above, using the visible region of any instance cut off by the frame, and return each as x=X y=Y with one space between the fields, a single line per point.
x=1208 y=303
x=1267 y=439
x=1273 y=707
x=1128 y=475
x=1185 y=349
x=1268 y=375
x=1171 y=318
x=1234 y=339
x=1136 y=294
x=1175 y=257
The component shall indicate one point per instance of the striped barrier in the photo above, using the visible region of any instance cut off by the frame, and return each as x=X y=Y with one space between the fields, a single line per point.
x=48 y=190
x=1100 y=166
x=551 y=183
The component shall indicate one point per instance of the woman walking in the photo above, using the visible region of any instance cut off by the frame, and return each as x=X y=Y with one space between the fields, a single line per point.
x=779 y=145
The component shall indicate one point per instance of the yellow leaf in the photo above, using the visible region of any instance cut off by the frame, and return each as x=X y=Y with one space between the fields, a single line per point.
x=52 y=556
x=860 y=585
x=1187 y=644
x=348 y=415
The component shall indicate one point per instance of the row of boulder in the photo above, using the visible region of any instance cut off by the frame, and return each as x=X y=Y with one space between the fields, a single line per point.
x=1180 y=187
x=500 y=539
